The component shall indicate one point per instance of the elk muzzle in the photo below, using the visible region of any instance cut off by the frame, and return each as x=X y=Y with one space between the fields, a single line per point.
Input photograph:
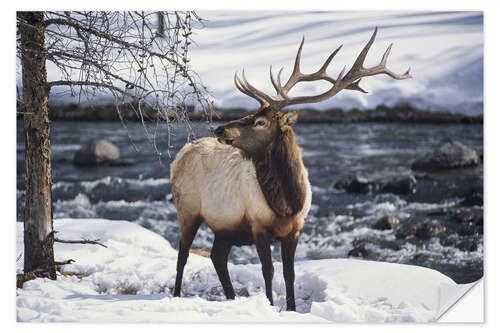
x=226 y=134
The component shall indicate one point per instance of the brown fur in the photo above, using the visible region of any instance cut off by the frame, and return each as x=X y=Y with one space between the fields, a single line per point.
x=279 y=175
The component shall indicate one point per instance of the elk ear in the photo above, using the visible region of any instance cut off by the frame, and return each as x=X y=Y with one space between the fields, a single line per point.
x=289 y=118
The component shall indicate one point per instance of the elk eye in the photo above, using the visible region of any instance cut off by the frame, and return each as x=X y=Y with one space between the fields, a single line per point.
x=260 y=123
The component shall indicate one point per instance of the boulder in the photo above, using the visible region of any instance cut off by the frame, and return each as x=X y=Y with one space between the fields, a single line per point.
x=385 y=223
x=467 y=229
x=359 y=251
x=428 y=230
x=97 y=152
x=359 y=184
x=404 y=185
x=401 y=185
x=473 y=198
x=451 y=155
x=467 y=245
x=421 y=228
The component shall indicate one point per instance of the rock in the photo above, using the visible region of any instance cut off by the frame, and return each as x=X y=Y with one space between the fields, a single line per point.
x=465 y=216
x=473 y=198
x=97 y=152
x=450 y=240
x=468 y=245
x=243 y=292
x=398 y=185
x=420 y=258
x=340 y=184
x=467 y=229
x=451 y=155
x=385 y=223
x=428 y=230
x=360 y=185
x=359 y=251
x=401 y=185
x=479 y=225
x=421 y=229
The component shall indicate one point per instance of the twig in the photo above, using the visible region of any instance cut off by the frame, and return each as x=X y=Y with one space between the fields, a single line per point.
x=65 y=262
x=83 y=241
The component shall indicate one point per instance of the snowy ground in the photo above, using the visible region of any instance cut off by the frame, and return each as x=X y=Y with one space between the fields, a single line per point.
x=131 y=281
x=443 y=49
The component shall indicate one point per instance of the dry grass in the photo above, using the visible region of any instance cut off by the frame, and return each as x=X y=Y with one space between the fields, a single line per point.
x=200 y=252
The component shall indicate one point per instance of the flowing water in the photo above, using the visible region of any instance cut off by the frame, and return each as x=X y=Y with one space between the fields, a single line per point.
x=339 y=223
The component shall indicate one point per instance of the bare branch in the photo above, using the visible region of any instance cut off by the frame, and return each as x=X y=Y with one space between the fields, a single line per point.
x=122 y=55
x=87 y=83
x=109 y=37
x=65 y=262
x=83 y=241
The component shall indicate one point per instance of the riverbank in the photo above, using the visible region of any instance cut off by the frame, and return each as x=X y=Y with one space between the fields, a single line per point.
x=402 y=114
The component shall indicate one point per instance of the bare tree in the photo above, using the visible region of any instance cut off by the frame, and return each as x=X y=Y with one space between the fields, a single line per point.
x=140 y=59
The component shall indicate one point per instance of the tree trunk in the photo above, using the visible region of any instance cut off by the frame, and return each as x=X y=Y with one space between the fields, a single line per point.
x=38 y=231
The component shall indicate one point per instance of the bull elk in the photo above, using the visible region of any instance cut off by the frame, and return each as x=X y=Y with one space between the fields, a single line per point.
x=249 y=184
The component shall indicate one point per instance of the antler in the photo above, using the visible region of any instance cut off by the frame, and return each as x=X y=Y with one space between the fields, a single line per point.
x=349 y=81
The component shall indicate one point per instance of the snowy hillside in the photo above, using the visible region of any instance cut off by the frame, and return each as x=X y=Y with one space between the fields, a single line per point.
x=443 y=49
x=130 y=281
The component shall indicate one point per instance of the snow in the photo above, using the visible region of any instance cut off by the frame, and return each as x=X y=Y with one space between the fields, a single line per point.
x=443 y=49
x=131 y=281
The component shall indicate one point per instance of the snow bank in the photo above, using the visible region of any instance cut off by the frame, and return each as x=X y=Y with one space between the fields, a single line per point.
x=132 y=279
x=443 y=49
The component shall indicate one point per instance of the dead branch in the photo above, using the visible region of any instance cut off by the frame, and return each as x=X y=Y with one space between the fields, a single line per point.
x=82 y=241
x=65 y=262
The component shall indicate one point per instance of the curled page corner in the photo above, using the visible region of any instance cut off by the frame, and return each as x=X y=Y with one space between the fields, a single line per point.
x=453 y=298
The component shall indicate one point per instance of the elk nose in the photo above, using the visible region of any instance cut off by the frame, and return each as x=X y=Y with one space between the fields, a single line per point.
x=219 y=131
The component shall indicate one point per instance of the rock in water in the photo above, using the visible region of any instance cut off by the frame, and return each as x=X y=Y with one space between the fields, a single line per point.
x=359 y=184
x=449 y=156
x=359 y=251
x=401 y=185
x=97 y=152
x=473 y=198
x=385 y=223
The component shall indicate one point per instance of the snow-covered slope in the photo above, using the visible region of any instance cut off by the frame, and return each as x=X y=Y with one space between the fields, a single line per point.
x=443 y=49
x=131 y=281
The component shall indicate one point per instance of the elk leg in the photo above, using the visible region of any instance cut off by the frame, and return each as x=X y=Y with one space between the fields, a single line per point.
x=187 y=237
x=288 y=246
x=219 y=256
x=263 y=245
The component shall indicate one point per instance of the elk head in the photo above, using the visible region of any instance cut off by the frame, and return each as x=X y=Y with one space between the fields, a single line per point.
x=255 y=132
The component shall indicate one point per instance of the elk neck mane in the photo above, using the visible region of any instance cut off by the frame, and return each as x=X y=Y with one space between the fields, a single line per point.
x=280 y=174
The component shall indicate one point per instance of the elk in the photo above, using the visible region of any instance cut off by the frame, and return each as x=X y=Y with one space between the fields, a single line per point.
x=249 y=184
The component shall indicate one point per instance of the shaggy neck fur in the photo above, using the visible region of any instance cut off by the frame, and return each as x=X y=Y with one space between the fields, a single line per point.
x=279 y=172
